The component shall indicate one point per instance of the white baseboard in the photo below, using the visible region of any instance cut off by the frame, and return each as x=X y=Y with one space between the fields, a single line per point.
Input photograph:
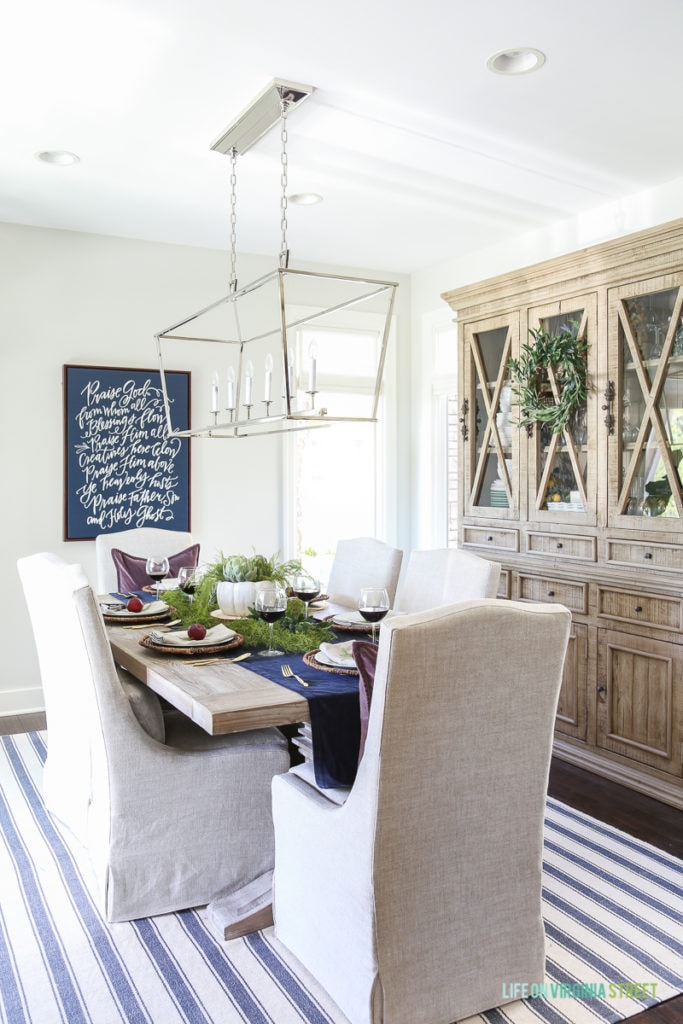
x=21 y=702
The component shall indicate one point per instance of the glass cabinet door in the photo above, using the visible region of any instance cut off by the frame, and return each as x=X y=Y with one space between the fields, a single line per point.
x=487 y=418
x=562 y=476
x=646 y=373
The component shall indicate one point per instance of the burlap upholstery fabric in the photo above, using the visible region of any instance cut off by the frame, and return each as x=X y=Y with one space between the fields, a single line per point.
x=166 y=827
x=361 y=562
x=445 y=576
x=420 y=896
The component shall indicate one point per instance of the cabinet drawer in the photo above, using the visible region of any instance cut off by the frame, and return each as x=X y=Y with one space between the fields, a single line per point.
x=482 y=537
x=544 y=588
x=562 y=545
x=646 y=556
x=648 y=609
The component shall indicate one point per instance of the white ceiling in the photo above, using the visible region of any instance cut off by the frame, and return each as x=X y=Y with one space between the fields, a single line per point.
x=420 y=152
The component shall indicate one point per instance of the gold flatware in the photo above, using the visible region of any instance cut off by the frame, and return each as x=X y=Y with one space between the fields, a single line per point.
x=213 y=661
x=146 y=625
x=288 y=674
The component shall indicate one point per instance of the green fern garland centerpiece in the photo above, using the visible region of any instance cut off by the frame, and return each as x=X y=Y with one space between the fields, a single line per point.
x=566 y=355
x=293 y=633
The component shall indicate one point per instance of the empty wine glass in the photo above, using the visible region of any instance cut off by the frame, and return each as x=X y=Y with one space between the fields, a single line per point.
x=305 y=588
x=271 y=605
x=157 y=568
x=373 y=605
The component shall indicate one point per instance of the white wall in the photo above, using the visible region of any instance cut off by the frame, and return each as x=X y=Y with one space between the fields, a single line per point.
x=612 y=220
x=67 y=298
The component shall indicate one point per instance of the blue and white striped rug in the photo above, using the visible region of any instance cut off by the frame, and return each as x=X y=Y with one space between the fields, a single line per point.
x=613 y=911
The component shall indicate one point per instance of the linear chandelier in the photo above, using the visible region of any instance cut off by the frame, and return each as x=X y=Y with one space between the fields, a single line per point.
x=266 y=354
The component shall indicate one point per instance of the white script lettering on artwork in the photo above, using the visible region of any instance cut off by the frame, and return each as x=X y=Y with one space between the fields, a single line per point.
x=128 y=466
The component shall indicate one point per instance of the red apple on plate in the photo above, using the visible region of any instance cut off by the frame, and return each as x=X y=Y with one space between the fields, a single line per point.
x=135 y=605
x=196 y=631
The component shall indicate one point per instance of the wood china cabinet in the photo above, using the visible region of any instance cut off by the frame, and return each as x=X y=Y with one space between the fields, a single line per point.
x=592 y=517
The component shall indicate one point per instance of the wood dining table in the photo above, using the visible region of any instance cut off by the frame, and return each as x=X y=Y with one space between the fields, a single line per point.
x=221 y=696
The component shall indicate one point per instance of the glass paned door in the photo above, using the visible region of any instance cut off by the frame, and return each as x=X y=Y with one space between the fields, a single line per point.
x=488 y=429
x=649 y=402
x=563 y=474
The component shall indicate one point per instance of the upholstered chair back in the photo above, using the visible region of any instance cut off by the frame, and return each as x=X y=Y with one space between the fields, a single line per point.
x=362 y=562
x=68 y=694
x=421 y=894
x=445 y=576
x=143 y=542
x=168 y=822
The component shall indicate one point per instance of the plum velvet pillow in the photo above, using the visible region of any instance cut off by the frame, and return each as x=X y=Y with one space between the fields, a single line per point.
x=131 y=573
x=365 y=657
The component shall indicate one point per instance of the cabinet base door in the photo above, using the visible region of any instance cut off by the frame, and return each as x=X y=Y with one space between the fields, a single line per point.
x=638 y=713
x=570 y=718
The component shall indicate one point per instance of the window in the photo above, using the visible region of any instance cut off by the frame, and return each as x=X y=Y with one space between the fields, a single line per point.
x=337 y=478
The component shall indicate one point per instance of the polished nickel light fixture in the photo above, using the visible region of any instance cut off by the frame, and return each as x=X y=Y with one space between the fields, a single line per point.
x=269 y=349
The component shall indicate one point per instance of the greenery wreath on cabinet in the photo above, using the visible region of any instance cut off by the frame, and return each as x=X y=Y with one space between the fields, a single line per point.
x=566 y=354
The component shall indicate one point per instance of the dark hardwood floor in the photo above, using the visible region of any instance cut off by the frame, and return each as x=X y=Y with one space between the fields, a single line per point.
x=638 y=815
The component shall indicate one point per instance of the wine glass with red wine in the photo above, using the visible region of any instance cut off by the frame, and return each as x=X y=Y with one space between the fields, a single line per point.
x=157 y=570
x=373 y=605
x=306 y=589
x=271 y=605
x=188 y=578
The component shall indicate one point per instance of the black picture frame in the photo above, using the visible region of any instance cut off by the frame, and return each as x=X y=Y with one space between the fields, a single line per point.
x=121 y=470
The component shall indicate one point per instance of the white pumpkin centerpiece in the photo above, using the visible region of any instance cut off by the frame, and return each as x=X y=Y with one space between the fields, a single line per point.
x=242 y=578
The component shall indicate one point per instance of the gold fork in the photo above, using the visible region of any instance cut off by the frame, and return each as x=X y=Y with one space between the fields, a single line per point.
x=213 y=661
x=288 y=674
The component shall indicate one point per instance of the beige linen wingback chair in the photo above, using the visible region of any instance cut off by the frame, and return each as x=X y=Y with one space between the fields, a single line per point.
x=445 y=576
x=171 y=817
x=420 y=896
x=144 y=541
x=361 y=562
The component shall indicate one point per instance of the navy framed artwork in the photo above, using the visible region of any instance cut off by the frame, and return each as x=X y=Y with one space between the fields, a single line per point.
x=121 y=470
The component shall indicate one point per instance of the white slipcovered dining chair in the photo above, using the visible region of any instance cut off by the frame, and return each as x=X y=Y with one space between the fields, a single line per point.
x=445 y=576
x=361 y=562
x=170 y=816
x=144 y=541
x=420 y=896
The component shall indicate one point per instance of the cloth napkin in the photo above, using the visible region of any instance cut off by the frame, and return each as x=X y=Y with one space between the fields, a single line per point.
x=350 y=618
x=340 y=655
x=149 y=608
x=216 y=635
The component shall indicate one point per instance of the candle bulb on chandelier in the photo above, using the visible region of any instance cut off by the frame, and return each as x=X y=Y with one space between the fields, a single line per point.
x=268 y=383
x=231 y=390
x=248 y=383
x=214 y=393
x=312 y=366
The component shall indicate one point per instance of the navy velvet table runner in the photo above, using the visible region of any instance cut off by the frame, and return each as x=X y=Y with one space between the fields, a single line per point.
x=335 y=715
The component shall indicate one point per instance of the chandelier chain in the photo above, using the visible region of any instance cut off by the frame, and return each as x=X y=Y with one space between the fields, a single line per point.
x=284 y=253
x=233 y=219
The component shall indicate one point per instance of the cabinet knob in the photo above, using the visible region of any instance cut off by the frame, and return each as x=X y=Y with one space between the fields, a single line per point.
x=638 y=608
x=648 y=554
x=559 y=545
x=551 y=593
x=489 y=539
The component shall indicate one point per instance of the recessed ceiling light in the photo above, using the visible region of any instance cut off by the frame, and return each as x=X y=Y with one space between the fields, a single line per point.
x=58 y=157
x=305 y=198
x=517 y=61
